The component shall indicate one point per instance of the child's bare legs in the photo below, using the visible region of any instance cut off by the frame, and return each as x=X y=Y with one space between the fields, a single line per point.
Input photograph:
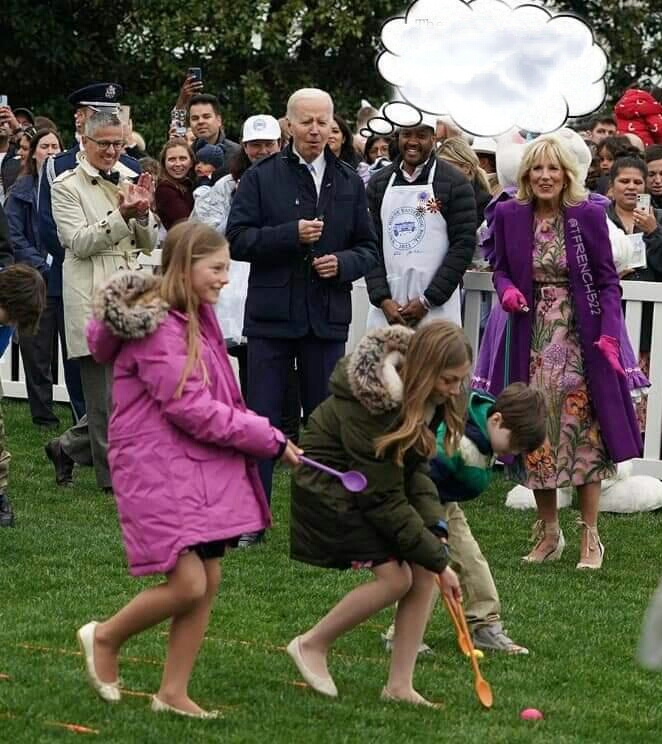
x=185 y=589
x=392 y=581
x=411 y=620
x=187 y=632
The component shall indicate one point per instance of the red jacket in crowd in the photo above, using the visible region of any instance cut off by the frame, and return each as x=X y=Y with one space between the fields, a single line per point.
x=638 y=112
x=174 y=202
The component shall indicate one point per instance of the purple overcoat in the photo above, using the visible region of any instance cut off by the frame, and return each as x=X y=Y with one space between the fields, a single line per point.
x=496 y=323
x=595 y=288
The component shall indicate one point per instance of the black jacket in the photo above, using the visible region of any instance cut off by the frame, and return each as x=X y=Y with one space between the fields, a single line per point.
x=6 y=251
x=458 y=206
x=286 y=297
x=10 y=170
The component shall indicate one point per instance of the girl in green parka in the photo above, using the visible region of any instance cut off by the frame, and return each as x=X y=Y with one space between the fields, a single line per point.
x=387 y=399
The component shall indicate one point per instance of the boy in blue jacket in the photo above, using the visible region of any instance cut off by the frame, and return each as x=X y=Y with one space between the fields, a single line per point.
x=511 y=424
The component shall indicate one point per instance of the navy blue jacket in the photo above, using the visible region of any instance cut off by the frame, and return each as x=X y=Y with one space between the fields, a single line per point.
x=6 y=251
x=21 y=209
x=286 y=297
x=47 y=229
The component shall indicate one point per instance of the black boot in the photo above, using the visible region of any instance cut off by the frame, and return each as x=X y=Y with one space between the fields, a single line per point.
x=64 y=465
x=6 y=513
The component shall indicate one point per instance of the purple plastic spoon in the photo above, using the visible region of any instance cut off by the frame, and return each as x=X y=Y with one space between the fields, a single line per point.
x=352 y=479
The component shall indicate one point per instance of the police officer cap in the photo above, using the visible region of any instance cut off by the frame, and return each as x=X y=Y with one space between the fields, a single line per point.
x=98 y=96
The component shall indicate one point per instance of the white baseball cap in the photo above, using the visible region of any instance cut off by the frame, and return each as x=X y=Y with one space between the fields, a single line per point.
x=261 y=127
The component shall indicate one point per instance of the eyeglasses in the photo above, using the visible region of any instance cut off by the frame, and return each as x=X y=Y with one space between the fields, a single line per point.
x=106 y=145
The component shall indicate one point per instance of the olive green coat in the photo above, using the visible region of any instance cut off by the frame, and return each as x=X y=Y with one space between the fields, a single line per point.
x=331 y=527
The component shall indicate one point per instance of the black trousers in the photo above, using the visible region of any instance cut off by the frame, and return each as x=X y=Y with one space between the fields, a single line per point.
x=270 y=362
x=291 y=420
x=38 y=355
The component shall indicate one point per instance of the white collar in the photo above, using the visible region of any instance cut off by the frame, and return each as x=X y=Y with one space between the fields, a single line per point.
x=417 y=171
x=411 y=177
x=318 y=163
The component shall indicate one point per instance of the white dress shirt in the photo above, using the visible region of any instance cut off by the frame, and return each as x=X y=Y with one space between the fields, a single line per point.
x=316 y=168
x=411 y=177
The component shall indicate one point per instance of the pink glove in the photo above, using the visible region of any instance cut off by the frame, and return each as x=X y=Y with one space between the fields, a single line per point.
x=609 y=348
x=513 y=301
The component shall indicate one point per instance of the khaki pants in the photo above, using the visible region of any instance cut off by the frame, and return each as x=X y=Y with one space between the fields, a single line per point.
x=480 y=597
x=479 y=594
x=5 y=457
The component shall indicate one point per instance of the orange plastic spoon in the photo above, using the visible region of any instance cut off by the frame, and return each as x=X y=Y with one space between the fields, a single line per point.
x=481 y=685
x=461 y=640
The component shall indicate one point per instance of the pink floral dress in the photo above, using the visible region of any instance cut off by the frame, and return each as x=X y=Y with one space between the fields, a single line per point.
x=574 y=453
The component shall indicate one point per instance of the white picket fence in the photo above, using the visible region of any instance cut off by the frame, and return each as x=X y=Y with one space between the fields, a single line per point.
x=475 y=283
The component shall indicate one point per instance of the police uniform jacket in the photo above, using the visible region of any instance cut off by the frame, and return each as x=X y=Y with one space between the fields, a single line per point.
x=286 y=298
x=96 y=240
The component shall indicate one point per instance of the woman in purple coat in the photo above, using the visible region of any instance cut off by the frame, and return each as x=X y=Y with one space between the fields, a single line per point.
x=182 y=454
x=555 y=277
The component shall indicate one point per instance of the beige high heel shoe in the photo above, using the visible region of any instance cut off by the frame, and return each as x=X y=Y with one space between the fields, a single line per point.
x=539 y=533
x=594 y=554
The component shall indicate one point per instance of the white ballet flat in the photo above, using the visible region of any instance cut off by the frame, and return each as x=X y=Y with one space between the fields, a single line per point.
x=158 y=706
x=323 y=685
x=108 y=691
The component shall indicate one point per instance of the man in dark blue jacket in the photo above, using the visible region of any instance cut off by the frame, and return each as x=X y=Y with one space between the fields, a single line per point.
x=300 y=218
x=87 y=100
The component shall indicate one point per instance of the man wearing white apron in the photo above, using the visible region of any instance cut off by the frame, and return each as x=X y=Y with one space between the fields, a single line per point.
x=424 y=212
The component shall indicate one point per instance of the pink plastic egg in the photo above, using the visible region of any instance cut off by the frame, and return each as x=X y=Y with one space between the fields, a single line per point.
x=531 y=714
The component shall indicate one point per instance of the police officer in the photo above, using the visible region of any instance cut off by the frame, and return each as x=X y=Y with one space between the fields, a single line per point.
x=87 y=100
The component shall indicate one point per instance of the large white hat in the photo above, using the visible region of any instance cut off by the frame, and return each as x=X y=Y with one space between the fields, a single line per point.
x=261 y=127
x=485 y=145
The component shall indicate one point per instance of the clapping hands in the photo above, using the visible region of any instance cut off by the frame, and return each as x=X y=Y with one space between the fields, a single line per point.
x=136 y=198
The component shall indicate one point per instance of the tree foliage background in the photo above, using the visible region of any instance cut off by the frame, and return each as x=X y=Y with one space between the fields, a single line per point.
x=51 y=48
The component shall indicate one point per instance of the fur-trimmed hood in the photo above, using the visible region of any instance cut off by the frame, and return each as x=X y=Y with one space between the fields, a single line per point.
x=129 y=305
x=371 y=373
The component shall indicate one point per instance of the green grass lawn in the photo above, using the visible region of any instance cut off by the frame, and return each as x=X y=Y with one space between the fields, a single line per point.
x=64 y=565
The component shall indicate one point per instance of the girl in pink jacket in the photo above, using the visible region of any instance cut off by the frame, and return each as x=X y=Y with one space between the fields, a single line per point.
x=182 y=454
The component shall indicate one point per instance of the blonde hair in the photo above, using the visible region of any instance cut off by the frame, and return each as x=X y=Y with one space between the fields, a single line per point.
x=458 y=152
x=186 y=243
x=438 y=346
x=551 y=147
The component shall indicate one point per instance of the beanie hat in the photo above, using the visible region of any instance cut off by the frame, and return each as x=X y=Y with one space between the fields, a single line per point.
x=212 y=155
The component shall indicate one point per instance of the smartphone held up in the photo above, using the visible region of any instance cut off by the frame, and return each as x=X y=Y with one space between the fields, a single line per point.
x=195 y=74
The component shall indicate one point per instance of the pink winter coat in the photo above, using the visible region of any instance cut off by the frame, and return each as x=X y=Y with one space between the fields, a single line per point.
x=183 y=469
x=639 y=113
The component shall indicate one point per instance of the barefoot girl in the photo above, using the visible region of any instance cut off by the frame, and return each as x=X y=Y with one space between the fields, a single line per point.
x=387 y=400
x=182 y=451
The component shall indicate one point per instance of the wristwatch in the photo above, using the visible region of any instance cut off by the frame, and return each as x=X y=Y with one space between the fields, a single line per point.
x=425 y=302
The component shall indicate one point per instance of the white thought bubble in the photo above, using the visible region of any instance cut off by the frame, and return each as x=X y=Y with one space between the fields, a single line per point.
x=490 y=66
